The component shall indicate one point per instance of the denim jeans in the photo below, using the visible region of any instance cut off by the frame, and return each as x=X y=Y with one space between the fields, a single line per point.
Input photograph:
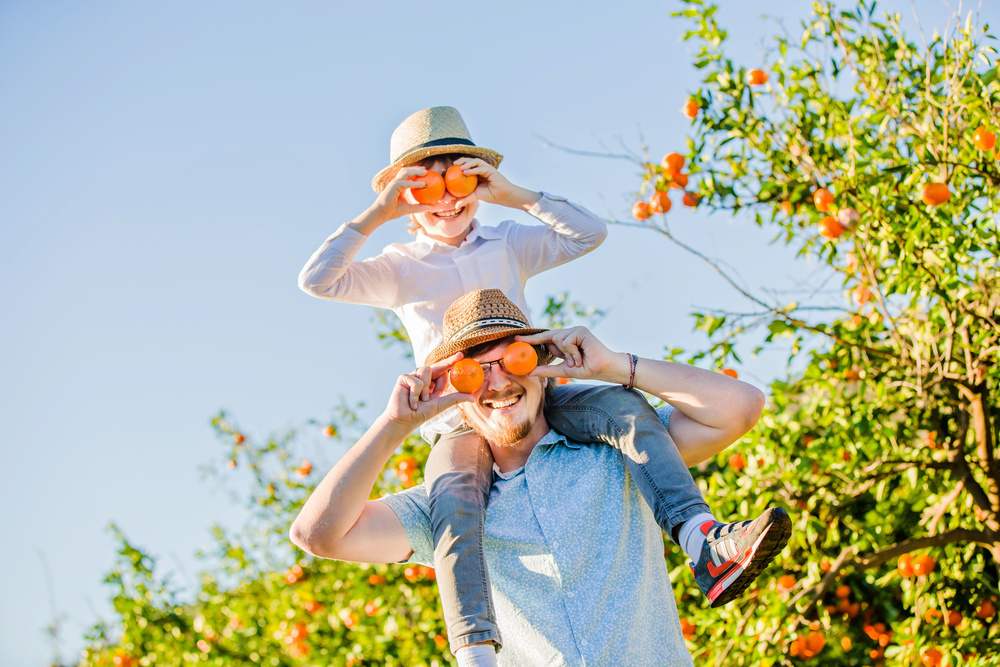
x=458 y=475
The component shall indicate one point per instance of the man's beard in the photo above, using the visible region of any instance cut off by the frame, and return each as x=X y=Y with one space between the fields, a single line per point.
x=507 y=434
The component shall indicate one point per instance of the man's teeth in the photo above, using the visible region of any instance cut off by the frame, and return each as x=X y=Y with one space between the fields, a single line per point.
x=505 y=403
x=448 y=214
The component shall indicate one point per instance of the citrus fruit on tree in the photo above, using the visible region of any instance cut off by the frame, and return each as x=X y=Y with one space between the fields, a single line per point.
x=679 y=181
x=641 y=210
x=983 y=139
x=756 y=77
x=660 y=202
x=905 y=565
x=672 y=163
x=935 y=194
x=830 y=227
x=690 y=109
x=691 y=199
x=923 y=565
x=520 y=358
x=823 y=198
x=466 y=376
x=458 y=184
x=432 y=191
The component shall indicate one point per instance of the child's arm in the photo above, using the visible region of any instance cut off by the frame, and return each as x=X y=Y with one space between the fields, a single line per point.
x=568 y=230
x=712 y=411
x=331 y=272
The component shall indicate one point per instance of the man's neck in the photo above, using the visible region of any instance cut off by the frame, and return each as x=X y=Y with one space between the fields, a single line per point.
x=512 y=457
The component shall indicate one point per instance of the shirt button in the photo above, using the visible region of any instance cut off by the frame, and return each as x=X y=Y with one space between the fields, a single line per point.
x=571 y=594
x=555 y=545
x=583 y=642
x=541 y=510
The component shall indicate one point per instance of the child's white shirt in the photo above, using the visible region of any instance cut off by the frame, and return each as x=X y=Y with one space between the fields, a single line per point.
x=420 y=279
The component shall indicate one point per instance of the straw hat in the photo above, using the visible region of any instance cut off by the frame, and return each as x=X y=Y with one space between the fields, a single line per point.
x=479 y=317
x=434 y=131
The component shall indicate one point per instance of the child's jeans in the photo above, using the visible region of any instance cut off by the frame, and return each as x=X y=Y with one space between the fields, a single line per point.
x=459 y=475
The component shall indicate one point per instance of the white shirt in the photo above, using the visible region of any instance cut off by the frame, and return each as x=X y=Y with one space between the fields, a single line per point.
x=420 y=279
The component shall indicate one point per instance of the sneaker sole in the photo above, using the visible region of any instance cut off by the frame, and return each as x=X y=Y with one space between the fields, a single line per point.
x=775 y=527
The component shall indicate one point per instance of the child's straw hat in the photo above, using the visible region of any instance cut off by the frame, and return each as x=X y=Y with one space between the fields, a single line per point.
x=479 y=317
x=434 y=131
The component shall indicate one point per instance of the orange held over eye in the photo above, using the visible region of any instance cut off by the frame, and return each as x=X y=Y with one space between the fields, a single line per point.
x=466 y=376
x=432 y=191
x=520 y=358
x=823 y=198
x=935 y=194
x=983 y=139
x=660 y=202
x=458 y=184
x=756 y=77
x=641 y=210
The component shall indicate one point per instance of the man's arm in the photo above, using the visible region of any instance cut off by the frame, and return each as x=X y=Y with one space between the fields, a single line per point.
x=338 y=521
x=712 y=410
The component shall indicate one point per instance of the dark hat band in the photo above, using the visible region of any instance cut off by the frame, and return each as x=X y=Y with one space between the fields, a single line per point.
x=448 y=141
x=472 y=327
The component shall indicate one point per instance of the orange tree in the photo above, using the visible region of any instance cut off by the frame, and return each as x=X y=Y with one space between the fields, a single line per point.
x=875 y=157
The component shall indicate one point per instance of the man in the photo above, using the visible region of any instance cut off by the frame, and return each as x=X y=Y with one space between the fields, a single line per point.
x=576 y=557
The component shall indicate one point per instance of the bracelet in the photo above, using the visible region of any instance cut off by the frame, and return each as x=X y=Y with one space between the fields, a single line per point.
x=633 y=361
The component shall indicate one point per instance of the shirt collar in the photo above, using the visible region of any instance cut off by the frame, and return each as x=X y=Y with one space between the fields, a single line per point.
x=550 y=439
x=425 y=245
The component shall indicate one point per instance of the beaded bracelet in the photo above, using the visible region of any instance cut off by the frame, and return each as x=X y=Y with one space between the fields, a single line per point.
x=633 y=361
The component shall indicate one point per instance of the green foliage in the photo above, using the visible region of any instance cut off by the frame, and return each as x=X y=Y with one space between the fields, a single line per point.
x=884 y=443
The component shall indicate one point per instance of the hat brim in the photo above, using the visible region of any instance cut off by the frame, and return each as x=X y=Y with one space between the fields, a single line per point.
x=383 y=177
x=447 y=349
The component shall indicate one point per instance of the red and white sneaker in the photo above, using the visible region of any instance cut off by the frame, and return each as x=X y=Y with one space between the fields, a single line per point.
x=735 y=553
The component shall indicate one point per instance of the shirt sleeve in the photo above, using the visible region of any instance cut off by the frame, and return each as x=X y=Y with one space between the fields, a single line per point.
x=412 y=508
x=331 y=273
x=568 y=231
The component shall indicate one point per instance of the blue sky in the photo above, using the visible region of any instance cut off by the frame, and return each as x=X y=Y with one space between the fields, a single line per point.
x=167 y=169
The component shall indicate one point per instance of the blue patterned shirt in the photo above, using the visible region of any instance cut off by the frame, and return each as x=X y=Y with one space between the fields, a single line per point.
x=575 y=560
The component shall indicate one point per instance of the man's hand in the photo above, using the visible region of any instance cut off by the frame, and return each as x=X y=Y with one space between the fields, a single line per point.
x=420 y=395
x=494 y=188
x=584 y=357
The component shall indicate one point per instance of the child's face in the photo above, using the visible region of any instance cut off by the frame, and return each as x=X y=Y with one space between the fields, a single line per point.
x=447 y=222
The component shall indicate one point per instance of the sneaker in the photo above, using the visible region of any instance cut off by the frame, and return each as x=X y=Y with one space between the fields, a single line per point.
x=735 y=553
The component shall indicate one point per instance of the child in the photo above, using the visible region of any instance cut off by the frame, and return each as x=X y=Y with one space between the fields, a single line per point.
x=452 y=255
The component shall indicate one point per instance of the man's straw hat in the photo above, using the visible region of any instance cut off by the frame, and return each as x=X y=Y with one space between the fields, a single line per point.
x=479 y=317
x=434 y=131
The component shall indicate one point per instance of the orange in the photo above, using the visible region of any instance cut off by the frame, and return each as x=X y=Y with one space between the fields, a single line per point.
x=672 y=162
x=520 y=358
x=687 y=628
x=731 y=373
x=786 y=582
x=660 y=202
x=843 y=591
x=829 y=227
x=756 y=77
x=786 y=206
x=923 y=565
x=905 y=565
x=371 y=608
x=862 y=294
x=680 y=180
x=409 y=464
x=458 y=184
x=815 y=642
x=305 y=468
x=641 y=210
x=983 y=138
x=239 y=438
x=954 y=618
x=935 y=194
x=330 y=431
x=690 y=109
x=822 y=198
x=691 y=199
x=466 y=376
x=376 y=580
x=986 y=610
x=433 y=190
x=931 y=657
x=738 y=461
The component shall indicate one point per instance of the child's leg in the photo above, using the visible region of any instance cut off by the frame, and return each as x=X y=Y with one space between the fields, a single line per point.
x=458 y=475
x=725 y=560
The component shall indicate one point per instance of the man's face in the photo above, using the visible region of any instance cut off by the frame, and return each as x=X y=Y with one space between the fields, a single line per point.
x=506 y=407
x=447 y=222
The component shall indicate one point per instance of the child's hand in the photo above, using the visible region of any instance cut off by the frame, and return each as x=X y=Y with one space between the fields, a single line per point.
x=494 y=188
x=392 y=202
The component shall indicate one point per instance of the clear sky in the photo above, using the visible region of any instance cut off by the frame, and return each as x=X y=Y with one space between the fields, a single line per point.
x=166 y=170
